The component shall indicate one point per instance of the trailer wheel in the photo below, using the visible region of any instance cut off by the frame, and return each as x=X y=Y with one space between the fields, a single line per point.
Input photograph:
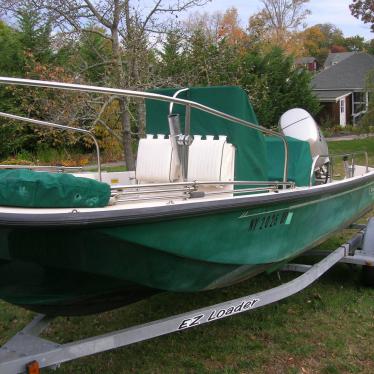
x=368 y=276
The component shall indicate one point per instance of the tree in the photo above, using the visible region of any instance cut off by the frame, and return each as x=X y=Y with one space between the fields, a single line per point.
x=321 y=39
x=364 y=10
x=368 y=119
x=369 y=46
x=173 y=59
x=338 y=49
x=12 y=136
x=229 y=27
x=315 y=43
x=332 y=33
x=126 y=27
x=11 y=61
x=201 y=57
x=278 y=18
x=354 y=43
x=90 y=57
x=274 y=85
x=34 y=34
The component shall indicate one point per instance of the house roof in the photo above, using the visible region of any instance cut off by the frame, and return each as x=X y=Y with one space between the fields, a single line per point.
x=305 y=60
x=334 y=58
x=349 y=74
x=331 y=95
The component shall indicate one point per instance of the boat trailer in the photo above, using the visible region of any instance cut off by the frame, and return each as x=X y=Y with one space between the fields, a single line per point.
x=27 y=353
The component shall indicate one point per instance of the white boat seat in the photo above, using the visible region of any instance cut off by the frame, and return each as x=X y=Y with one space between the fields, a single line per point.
x=211 y=159
x=155 y=162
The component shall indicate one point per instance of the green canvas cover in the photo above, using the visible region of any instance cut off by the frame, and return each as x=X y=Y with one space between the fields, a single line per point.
x=250 y=145
x=299 y=160
x=31 y=189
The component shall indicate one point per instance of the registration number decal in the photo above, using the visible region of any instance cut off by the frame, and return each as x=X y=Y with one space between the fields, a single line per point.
x=267 y=221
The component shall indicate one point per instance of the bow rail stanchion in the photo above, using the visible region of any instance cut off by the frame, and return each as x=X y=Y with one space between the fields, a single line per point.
x=27 y=350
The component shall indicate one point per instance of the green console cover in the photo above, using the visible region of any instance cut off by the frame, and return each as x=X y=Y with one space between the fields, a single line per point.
x=31 y=189
x=258 y=157
x=299 y=160
x=250 y=163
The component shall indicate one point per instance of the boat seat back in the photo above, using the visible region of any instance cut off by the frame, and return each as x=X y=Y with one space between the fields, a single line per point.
x=211 y=160
x=155 y=162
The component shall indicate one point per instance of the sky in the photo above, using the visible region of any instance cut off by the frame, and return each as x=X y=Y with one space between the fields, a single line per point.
x=323 y=11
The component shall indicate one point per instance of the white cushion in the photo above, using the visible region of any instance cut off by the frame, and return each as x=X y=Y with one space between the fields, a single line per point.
x=155 y=162
x=211 y=160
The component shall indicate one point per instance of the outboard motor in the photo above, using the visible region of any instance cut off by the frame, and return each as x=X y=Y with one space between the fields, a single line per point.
x=299 y=124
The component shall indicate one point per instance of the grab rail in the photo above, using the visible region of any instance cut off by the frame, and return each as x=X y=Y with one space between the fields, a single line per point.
x=149 y=95
x=60 y=127
x=284 y=185
x=188 y=190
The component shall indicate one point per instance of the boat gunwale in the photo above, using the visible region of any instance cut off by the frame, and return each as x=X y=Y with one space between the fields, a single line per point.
x=79 y=218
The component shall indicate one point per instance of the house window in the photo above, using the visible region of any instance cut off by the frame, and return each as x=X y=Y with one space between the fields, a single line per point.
x=342 y=106
x=359 y=102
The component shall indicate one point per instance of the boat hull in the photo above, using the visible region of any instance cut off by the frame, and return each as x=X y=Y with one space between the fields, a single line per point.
x=184 y=252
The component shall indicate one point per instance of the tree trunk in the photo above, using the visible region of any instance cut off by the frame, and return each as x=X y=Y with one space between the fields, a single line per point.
x=124 y=112
x=126 y=129
x=141 y=114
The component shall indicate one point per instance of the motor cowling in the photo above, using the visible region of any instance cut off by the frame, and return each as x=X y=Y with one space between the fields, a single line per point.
x=299 y=124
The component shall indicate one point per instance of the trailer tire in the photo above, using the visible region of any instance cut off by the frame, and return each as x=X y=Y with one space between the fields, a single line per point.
x=368 y=276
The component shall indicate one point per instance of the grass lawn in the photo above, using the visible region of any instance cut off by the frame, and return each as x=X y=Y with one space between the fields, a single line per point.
x=327 y=328
x=342 y=147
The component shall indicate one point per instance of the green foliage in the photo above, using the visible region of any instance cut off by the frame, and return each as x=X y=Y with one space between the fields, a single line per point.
x=364 y=10
x=321 y=39
x=34 y=35
x=275 y=86
x=355 y=43
x=192 y=57
x=91 y=52
x=11 y=61
x=369 y=46
x=172 y=56
x=272 y=82
x=368 y=119
x=12 y=137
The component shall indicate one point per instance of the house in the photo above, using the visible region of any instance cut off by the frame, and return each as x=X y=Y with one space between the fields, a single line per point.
x=309 y=63
x=341 y=87
x=334 y=58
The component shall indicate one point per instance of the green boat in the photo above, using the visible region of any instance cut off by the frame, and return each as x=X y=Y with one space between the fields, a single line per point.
x=215 y=199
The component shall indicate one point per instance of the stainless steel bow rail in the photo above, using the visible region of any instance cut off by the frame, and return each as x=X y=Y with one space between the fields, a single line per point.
x=27 y=352
x=59 y=127
x=148 y=95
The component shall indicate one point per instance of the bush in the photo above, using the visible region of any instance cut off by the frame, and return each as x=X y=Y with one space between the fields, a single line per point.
x=275 y=85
